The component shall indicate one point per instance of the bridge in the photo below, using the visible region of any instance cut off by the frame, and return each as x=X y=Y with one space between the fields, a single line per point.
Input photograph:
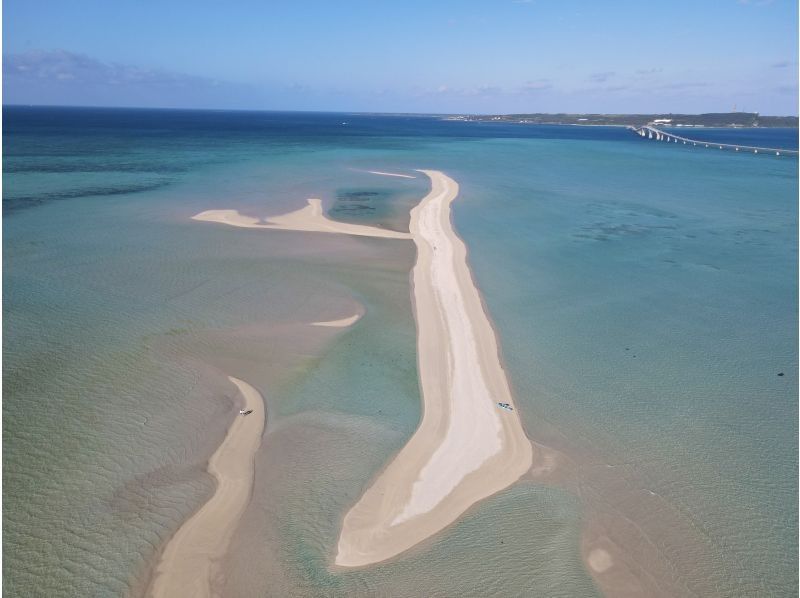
x=651 y=132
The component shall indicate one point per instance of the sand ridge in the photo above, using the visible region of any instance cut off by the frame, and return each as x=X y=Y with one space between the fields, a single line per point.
x=403 y=176
x=341 y=323
x=466 y=447
x=191 y=557
x=310 y=218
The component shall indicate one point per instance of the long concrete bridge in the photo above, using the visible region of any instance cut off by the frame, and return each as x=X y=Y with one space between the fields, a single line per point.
x=651 y=132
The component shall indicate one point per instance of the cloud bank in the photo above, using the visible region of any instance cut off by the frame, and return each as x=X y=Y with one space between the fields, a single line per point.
x=63 y=77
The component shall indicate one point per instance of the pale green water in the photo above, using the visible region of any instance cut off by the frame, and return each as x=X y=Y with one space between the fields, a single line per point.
x=644 y=297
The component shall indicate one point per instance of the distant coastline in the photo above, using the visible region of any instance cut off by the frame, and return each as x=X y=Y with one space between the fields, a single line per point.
x=712 y=119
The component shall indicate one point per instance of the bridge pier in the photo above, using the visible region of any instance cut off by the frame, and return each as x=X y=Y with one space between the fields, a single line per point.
x=650 y=132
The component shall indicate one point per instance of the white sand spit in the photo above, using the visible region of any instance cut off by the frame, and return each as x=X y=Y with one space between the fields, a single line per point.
x=342 y=323
x=310 y=218
x=466 y=447
x=402 y=176
x=191 y=559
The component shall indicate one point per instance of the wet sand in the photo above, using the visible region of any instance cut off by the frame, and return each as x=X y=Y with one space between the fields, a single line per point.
x=189 y=563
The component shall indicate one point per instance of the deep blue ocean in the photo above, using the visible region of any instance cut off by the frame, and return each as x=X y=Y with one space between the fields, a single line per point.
x=644 y=294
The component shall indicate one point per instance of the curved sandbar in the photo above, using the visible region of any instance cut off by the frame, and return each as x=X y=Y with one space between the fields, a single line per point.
x=310 y=218
x=402 y=176
x=341 y=323
x=466 y=447
x=189 y=562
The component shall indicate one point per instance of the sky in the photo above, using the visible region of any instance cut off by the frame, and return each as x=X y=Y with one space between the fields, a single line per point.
x=435 y=56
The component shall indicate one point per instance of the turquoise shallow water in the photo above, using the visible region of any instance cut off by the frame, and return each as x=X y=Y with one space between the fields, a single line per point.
x=645 y=298
x=643 y=315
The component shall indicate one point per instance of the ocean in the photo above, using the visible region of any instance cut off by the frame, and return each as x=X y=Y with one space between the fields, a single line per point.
x=644 y=295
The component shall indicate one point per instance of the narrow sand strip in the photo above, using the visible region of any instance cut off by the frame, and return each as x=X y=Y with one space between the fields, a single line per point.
x=189 y=562
x=466 y=447
x=310 y=218
x=344 y=322
x=404 y=176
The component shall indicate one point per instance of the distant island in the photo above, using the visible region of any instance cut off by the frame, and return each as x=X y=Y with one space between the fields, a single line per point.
x=711 y=119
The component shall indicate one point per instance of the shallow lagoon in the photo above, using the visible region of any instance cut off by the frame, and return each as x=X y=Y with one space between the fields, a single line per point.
x=644 y=296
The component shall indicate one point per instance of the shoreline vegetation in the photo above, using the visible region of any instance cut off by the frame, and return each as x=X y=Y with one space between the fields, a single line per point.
x=714 y=119
x=470 y=443
x=708 y=119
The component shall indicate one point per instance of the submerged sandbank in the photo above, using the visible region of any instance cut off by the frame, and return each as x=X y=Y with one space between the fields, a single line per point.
x=189 y=563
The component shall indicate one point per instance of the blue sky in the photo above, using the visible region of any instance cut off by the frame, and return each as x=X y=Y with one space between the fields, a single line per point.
x=495 y=56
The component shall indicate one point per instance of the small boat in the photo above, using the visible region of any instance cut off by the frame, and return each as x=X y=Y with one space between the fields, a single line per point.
x=245 y=411
x=505 y=406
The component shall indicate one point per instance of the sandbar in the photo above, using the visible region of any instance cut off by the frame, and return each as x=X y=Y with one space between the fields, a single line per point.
x=466 y=447
x=190 y=561
x=310 y=218
x=341 y=323
x=403 y=176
